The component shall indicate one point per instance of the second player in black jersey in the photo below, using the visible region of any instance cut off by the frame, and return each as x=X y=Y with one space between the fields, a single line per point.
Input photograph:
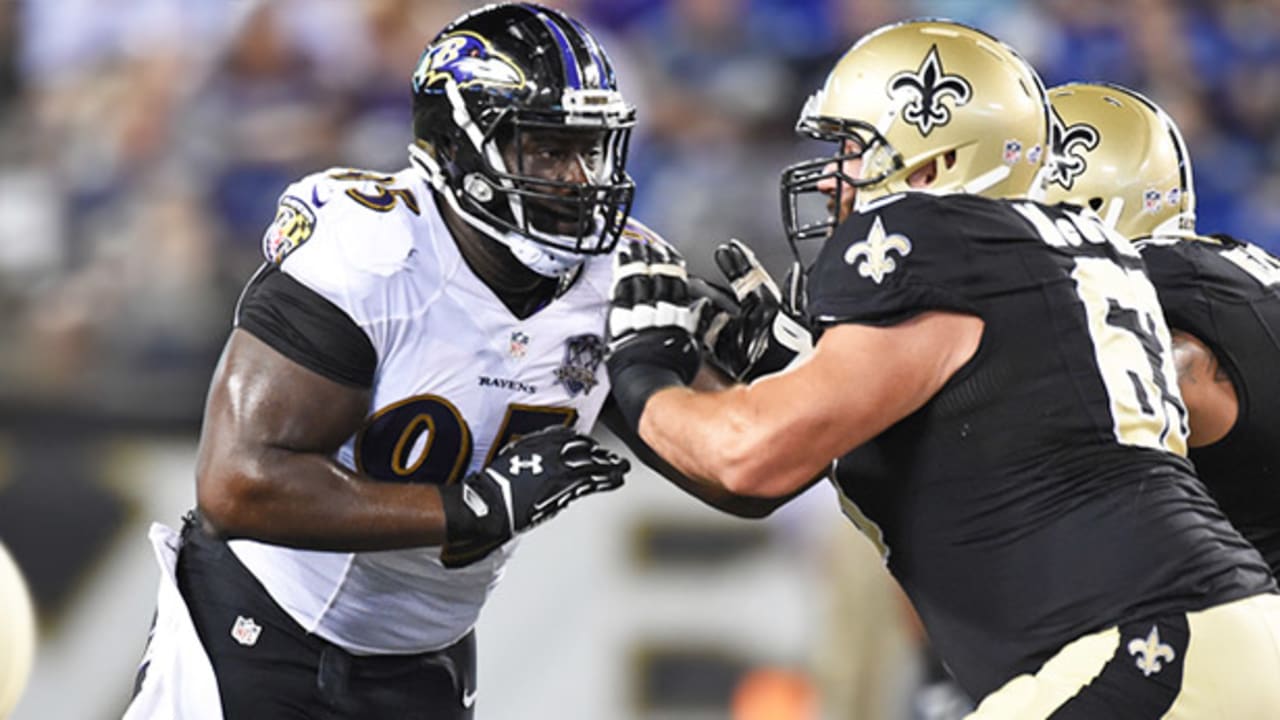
x=1225 y=293
x=1220 y=295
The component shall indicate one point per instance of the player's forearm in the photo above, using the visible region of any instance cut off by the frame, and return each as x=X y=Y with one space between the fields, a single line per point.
x=308 y=501
x=708 y=492
x=725 y=439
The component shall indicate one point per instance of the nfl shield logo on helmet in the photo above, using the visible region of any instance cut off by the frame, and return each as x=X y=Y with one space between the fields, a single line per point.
x=1012 y=151
x=582 y=357
x=1151 y=200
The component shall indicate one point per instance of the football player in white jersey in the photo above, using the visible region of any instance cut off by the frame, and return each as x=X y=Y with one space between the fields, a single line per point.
x=358 y=490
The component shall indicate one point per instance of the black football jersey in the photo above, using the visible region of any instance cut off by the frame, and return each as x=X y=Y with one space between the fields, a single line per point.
x=1227 y=293
x=1043 y=493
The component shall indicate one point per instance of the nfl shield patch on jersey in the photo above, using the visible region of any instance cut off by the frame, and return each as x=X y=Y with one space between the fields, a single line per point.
x=246 y=631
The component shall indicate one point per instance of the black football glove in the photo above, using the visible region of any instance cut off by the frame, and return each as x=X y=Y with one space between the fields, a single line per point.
x=769 y=329
x=528 y=482
x=651 y=324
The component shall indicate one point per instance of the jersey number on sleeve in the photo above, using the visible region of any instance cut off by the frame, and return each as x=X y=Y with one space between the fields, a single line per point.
x=425 y=440
x=381 y=198
x=1131 y=343
x=1255 y=261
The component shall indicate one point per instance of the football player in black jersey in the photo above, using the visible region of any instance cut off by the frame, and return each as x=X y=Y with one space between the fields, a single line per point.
x=1122 y=156
x=993 y=390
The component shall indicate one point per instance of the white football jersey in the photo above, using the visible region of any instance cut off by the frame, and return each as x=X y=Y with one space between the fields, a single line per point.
x=457 y=376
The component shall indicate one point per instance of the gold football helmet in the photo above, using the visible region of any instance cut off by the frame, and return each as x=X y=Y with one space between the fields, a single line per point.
x=922 y=94
x=1118 y=153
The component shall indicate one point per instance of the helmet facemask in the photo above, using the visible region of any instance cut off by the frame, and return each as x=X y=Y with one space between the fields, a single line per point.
x=490 y=174
x=801 y=182
x=579 y=215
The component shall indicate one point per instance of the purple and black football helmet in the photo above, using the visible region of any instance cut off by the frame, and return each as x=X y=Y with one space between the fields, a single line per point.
x=495 y=76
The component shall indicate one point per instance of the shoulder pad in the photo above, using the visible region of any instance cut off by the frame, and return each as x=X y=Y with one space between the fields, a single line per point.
x=362 y=219
x=345 y=232
x=876 y=204
x=1153 y=241
x=898 y=256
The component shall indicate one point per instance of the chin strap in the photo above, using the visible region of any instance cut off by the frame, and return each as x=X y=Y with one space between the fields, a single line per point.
x=538 y=257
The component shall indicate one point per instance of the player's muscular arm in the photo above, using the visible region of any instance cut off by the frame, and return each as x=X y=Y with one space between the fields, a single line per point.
x=1206 y=389
x=265 y=469
x=771 y=437
x=710 y=493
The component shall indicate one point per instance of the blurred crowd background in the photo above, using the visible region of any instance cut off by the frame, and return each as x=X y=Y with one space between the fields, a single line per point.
x=143 y=144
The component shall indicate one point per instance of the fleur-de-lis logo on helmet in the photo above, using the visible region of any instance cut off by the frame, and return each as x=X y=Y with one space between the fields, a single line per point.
x=875 y=251
x=930 y=84
x=1070 y=143
x=1150 y=651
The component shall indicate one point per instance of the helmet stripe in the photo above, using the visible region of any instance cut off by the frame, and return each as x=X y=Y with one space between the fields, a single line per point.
x=572 y=74
x=597 y=55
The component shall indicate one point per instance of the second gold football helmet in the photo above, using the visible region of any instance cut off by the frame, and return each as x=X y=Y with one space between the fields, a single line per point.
x=916 y=93
x=1118 y=153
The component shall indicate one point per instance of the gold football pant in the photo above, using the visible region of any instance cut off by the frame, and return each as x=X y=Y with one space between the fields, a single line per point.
x=17 y=633
x=1222 y=663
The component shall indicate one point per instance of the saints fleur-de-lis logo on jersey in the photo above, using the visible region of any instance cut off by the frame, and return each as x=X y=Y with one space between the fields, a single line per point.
x=1070 y=143
x=874 y=252
x=1150 y=651
x=929 y=85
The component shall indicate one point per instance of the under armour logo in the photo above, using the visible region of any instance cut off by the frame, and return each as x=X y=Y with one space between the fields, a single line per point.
x=246 y=631
x=1065 y=140
x=1150 y=651
x=533 y=464
x=874 y=251
x=929 y=84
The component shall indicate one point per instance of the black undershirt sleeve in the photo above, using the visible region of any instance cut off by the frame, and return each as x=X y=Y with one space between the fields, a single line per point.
x=305 y=327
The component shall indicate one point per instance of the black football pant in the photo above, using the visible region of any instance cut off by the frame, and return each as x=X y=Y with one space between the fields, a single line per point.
x=284 y=673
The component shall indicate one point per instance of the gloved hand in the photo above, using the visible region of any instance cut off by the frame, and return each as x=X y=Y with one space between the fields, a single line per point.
x=650 y=325
x=530 y=480
x=769 y=329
